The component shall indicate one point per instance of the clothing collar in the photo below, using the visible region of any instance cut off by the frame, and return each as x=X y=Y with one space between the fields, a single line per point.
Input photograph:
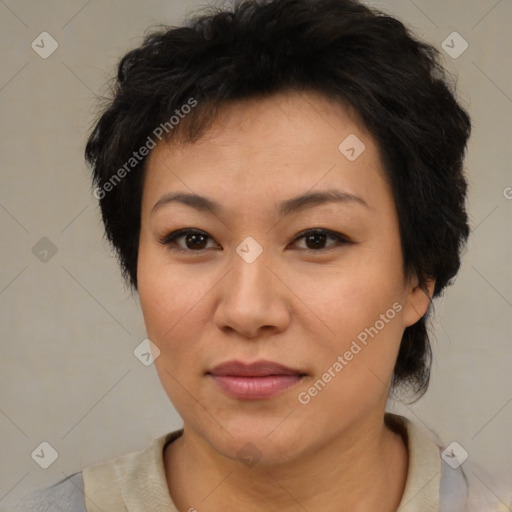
x=142 y=483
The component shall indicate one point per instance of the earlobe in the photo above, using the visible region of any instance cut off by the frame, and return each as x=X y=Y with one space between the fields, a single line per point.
x=418 y=301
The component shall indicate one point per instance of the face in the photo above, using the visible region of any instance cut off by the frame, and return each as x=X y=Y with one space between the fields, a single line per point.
x=315 y=285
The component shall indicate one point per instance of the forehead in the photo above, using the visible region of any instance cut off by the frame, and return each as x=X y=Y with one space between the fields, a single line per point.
x=284 y=143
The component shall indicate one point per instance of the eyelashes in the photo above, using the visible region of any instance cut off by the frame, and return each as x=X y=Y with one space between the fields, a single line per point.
x=198 y=240
x=198 y=237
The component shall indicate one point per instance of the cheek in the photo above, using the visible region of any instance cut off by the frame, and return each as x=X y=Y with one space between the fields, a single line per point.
x=160 y=301
x=163 y=289
x=362 y=303
x=174 y=306
x=353 y=296
x=171 y=311
x=356 y=361
x=172 y=324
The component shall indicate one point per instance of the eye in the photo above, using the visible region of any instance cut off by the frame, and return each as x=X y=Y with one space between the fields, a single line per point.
x=315 y=239
x=195 y=240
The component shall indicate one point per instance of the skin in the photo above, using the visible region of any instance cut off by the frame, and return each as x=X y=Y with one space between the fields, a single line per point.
x=296 y=307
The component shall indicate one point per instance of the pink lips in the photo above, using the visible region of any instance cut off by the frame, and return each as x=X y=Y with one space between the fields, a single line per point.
x=262 y=379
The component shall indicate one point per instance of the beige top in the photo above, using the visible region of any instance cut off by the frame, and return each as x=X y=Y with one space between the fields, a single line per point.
x=137 y=483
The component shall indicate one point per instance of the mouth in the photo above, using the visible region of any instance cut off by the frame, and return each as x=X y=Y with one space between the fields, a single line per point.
x=258 y=380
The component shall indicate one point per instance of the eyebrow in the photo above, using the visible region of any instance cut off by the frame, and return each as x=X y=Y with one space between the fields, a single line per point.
x=292 y=205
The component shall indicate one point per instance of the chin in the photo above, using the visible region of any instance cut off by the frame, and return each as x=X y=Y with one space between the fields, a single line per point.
x=265 y=442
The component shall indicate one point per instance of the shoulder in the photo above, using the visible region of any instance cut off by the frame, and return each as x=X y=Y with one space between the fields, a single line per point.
x=470 y=488
x=467 y=486
x=65 y=495
x=110 y=483
x=463 y=486
x=137 y=478
x=453 y=486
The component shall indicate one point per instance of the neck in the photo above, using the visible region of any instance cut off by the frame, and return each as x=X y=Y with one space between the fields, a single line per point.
x=363 y=469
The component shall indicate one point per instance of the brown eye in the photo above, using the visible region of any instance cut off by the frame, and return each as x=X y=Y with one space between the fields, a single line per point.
x=193 y=240
x=315 y=239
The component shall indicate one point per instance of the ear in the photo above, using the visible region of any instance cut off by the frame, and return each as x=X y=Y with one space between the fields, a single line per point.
x=418 y=300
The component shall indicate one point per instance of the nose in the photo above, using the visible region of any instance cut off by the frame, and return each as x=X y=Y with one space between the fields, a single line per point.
x=253 y=301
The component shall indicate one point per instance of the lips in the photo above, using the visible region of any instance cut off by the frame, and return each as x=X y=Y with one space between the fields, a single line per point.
x=258 y=380
x=256 y=369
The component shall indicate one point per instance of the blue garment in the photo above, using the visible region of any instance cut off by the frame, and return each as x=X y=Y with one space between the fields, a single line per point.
x=66 y=495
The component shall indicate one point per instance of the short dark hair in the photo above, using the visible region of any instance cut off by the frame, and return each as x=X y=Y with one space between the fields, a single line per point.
x=340 y=48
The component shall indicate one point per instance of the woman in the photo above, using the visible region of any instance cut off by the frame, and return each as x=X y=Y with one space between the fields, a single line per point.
x=283 y=185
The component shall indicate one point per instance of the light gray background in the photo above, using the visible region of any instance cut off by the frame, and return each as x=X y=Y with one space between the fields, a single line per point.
x=68 y=375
